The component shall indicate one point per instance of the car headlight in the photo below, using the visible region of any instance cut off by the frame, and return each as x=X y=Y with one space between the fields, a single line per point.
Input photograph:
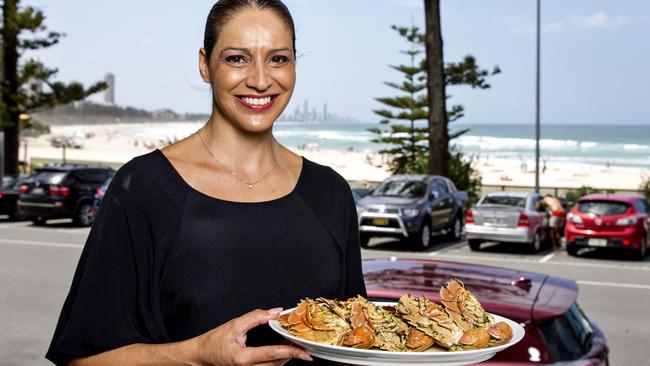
x=574 y=218
x=410 y=212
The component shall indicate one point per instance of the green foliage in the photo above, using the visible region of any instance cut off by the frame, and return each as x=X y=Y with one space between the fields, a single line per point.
x=36 y=88
x=576 y=194
x=645 y=187
x=408 y=145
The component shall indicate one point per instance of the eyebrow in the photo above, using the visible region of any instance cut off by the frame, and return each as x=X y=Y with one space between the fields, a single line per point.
x=240 y=49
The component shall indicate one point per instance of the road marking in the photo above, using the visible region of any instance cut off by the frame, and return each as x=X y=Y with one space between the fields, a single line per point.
x=548 y=257
x=613 y=284
x=40 y=243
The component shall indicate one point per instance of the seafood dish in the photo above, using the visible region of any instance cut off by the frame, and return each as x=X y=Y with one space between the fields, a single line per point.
x=412 y=325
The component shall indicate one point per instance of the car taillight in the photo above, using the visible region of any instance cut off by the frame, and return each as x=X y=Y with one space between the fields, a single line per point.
x=1 y=194
x=574 y=218
x=626 y=221
x=99 y=192
x=24 y=189
x=469 y=217
x=523 y=221
x=59 y=191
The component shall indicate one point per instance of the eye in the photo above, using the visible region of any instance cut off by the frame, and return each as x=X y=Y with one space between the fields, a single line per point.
x=236 y=60
x=278 y=60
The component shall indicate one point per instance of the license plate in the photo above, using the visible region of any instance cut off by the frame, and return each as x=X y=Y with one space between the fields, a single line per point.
x=597 y=242
x=380 y=222
x=38 y=190
x=497 y=221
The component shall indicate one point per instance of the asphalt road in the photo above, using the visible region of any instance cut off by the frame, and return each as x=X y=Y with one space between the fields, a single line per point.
x=37 y=264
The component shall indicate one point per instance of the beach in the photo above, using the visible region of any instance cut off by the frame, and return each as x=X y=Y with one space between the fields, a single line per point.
x=117 y=143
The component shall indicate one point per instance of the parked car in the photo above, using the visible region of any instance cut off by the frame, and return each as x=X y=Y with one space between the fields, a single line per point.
x=609 y=221
x=9 y=191
x=62 y=191
x=509 y=217
x=99 y=194
x=557 y=330
x=412 y=207
x=358 y=194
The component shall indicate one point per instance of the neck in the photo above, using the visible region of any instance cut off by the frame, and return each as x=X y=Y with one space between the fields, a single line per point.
x=247 y=153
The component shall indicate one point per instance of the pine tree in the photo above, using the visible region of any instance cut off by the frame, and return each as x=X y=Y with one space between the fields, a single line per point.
x=29 y=86
x=409 y=146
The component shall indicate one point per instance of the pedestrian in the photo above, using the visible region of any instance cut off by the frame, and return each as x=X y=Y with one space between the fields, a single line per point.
x=556 y=219
x=198 y=245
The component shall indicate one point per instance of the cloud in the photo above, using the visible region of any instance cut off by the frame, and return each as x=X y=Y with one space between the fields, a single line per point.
x=597 y=20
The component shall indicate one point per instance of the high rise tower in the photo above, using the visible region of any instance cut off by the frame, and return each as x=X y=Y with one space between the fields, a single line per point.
x=109 y=93
x=325 y=112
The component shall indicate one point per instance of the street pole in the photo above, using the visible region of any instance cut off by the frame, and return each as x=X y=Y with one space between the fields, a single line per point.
x=537 y=92
x=2 y=156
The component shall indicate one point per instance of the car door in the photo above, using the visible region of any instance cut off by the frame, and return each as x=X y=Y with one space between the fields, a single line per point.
x=440 y=203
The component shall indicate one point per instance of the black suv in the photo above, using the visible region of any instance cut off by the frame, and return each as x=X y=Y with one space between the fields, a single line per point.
x=412 y=207
x=62 y=191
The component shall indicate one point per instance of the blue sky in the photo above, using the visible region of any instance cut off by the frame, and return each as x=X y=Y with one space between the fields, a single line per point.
x=595 y=54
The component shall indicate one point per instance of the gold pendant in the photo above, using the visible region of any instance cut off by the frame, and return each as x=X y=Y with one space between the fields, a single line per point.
x=250 y=186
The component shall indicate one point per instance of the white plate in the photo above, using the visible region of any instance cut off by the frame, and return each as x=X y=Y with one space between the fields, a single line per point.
x=595 y=242
x=386 y=358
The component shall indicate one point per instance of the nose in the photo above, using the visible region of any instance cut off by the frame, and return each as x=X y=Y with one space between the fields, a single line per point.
x=259 y=78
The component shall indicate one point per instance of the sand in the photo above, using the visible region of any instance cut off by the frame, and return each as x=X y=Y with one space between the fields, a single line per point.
x=105 y=143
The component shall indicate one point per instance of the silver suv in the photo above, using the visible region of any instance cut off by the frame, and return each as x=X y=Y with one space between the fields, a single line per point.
x=412 y=207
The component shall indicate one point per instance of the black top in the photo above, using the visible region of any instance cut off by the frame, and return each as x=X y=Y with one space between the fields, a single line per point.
x=165 y=262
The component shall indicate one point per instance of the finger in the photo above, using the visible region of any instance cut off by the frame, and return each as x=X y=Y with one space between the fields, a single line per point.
x=254 y=318
x=254 y=355
x=273 y=363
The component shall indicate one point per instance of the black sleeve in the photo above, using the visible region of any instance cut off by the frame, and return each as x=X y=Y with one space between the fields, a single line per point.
x=354 y=275
x=111 y=298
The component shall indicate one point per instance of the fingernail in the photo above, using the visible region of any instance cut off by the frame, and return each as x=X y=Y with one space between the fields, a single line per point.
x=274 y=311
x=306 y=357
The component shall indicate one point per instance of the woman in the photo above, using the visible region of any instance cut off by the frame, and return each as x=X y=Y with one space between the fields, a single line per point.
x=192 y=241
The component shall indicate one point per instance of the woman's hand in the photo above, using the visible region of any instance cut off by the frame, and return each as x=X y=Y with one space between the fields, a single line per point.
x=226 y=344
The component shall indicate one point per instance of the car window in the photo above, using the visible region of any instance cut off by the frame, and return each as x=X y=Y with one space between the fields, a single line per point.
x=49 y=176
x=91 y=176
x=401 y=188
x=441 y=187
x=640 y=206
x=505 y=200
x=356 y=195
x=603 y=208
x=568 y=336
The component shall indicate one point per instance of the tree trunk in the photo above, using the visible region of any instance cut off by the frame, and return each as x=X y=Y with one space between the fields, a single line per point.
x=10 y=85
x=438 y=134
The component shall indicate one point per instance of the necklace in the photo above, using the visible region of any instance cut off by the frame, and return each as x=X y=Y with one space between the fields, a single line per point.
x=250 y=185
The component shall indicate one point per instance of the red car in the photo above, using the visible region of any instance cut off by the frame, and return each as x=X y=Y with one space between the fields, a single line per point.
x=609 y=221
x=557 y=331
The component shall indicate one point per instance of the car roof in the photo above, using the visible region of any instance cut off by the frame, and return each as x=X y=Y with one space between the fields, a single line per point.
x=611 y=197
x=69 y=167
x=510 y=194
x=500 y=290
x=421 y=177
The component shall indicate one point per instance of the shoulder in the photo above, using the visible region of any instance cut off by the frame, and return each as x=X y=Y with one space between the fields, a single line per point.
x=323 y=180
x=138 y=178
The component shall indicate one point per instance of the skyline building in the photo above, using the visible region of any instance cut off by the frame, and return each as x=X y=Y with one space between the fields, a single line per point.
x=302 y=113
x=109 y=93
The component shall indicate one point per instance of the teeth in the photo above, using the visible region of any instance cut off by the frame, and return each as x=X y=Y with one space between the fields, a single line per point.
x=257 y=101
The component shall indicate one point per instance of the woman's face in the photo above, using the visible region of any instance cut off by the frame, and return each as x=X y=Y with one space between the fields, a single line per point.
x=252 y=69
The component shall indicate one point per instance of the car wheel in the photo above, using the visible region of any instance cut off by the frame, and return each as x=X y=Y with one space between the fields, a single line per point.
x=363 y=240
x=422 y=239
x=85 y=214
x=474 y=244
x=38 y=221
x=572 y=250
x=536 y=245
x=643 y=248
x=456 y=229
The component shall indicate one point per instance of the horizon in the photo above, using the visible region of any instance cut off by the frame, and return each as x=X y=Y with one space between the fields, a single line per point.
x=590 y=55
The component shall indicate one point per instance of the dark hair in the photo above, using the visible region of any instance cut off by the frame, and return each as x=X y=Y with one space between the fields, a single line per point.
x=224 y=10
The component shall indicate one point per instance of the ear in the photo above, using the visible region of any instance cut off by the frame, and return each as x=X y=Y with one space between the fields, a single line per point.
x=204 y=65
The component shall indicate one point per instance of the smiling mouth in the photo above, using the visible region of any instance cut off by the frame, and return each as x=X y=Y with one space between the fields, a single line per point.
x=256 y=103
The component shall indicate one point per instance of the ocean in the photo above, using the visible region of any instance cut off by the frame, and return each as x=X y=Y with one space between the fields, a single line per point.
x=614 y=145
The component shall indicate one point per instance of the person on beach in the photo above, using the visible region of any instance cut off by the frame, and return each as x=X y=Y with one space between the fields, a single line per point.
x=556 y=221
x=197 y=246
